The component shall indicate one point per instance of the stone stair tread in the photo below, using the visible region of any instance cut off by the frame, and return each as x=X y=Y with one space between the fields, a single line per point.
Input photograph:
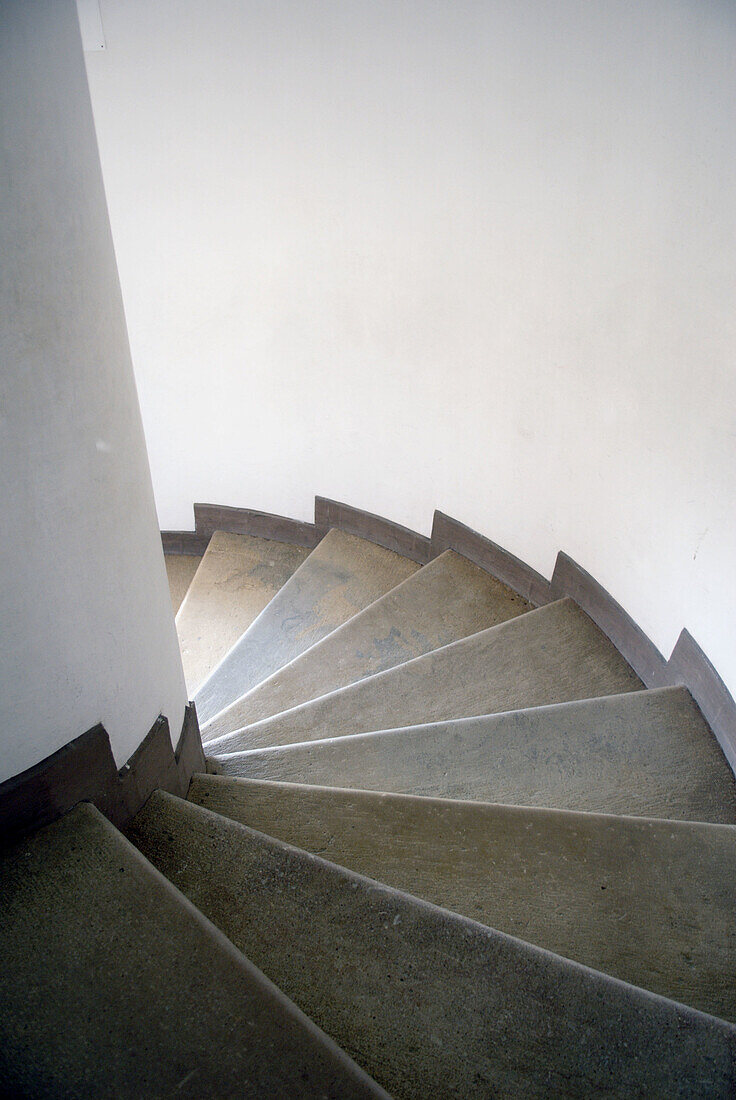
x=114 y=985
x=550 y=655
x=645 y=900
x=237 y=577
x=341 y=576
x=647 y=753
x=430 y=1002
x=448 y=599
x=180 y=570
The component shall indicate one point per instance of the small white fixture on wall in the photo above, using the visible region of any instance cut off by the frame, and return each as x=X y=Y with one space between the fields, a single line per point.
x=90 y=24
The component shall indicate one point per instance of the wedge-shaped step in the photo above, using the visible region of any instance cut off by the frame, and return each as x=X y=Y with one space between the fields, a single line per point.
x=238 y=576
x=550 y=655
x=113 y=985
x=446 y=600
x=180 y=570
x=644 y=752
x=430 y=1003
x=648 y=901
x=341 y=576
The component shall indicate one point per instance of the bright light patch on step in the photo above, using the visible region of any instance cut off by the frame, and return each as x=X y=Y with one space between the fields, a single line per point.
x=90 y=24
x=103 y=447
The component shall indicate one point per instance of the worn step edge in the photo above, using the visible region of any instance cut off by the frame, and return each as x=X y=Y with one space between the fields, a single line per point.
x=539 y=869
x=359 y=634
x=688 y=663
x=647 y=753
x=402 y=947
x=236 y=579
x=324 y=1062
x=370 y=571
x=531 y=629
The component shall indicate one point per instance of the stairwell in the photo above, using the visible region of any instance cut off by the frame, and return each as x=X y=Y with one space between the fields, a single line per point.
x=448 y=844
x=457 y=830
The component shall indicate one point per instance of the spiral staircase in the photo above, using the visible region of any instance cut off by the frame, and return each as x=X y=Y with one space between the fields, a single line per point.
x=449 y=843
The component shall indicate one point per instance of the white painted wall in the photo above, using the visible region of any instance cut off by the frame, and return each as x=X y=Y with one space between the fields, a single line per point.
x=476 y=255
x=87 y=629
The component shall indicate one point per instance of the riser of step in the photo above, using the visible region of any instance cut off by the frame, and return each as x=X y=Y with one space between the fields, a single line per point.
x=114 y=986
x=448 y=599
x=649 y=753
x=180 y=570
x=550 y=655
x=341 y=576
x=430 y=1003
x=648 y=901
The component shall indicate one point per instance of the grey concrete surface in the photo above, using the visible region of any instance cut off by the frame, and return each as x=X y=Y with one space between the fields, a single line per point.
x=647 y=901
x=645 y=752
x=550 y=655
x=341 y=576
x=180 y=569
x=237 y=577
x=112 y=985
x=448 y=599
x=433 y=1004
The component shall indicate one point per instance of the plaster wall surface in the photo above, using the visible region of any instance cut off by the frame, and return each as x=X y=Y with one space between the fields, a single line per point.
x=87 y=628
x=415 y=254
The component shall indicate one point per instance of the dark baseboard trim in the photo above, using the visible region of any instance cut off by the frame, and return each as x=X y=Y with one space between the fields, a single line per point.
x=688 y=665
x=184 y=542
x=450 y=534
x=570 y=579
x=354 y=521
x=152 y=765
x=209 y=518
x=189 y=754
x=84 y=770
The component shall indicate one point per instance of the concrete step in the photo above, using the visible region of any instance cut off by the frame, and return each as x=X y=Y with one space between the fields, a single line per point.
x=550 y=655
x=113 y=985
x=448 y=599
x=644 y=900
x=341 y=576
x=431 y=1003
x=238 y=576
x=180 y=570
x=645 y=752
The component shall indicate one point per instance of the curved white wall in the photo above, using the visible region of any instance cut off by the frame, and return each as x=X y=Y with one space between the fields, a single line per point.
x=87 y=630
x=413 y=254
